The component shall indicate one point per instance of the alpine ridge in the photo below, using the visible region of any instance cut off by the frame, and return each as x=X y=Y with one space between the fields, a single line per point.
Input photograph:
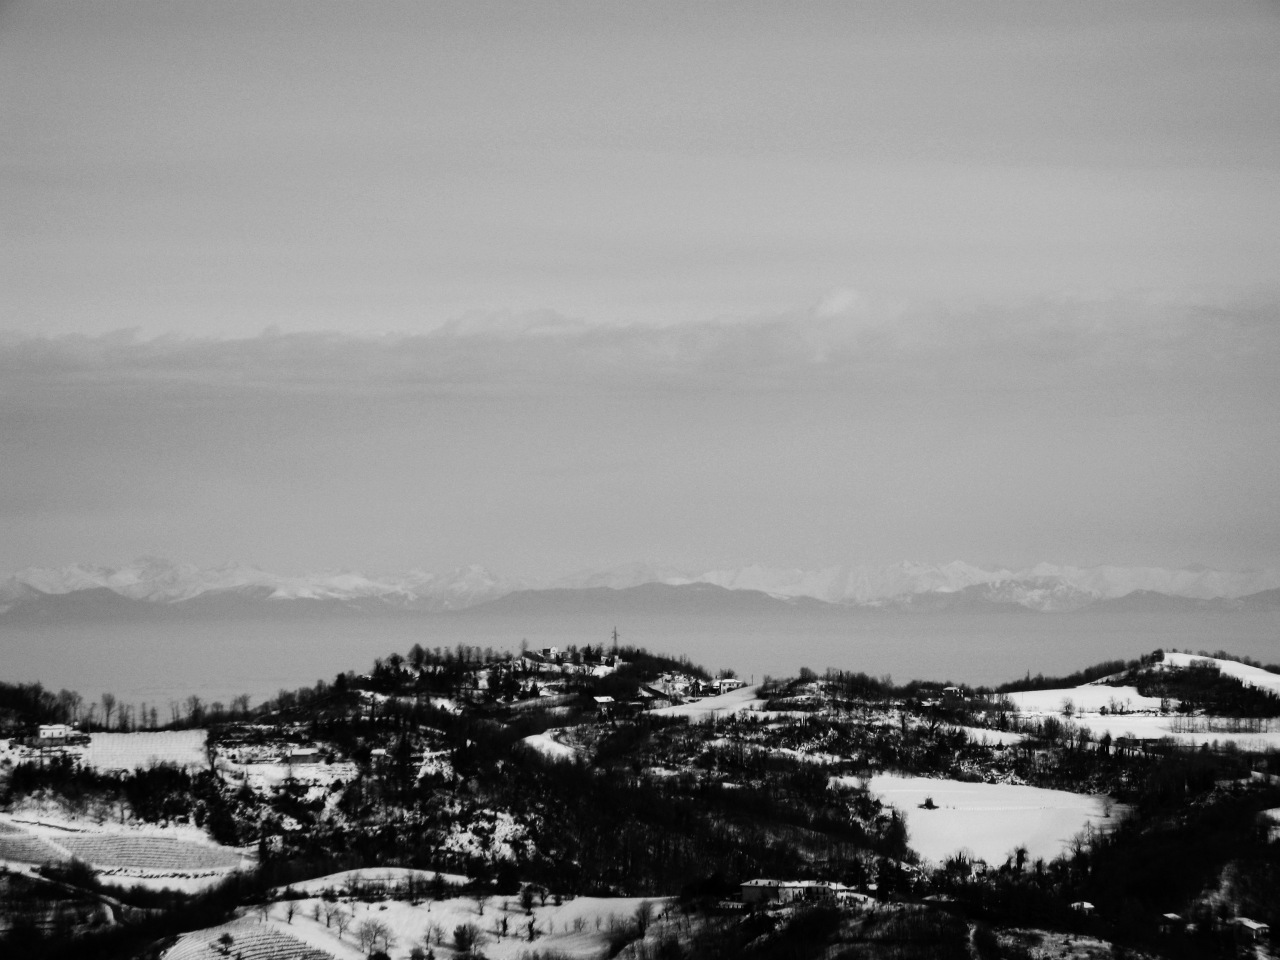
x=1046 y=588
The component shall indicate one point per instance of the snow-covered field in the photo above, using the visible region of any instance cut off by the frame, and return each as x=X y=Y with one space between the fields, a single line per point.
x=1249 y=676
x=1088 y=698
x=127 y=751
x=576 y=928
x=1129 y=714
x=735 y=701
x=988 y=819
x=547 y=744
x=1192 y=730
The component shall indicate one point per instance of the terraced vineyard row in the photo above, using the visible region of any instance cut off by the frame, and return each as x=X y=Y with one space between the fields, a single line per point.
x=20 y=846
x=149 y=853
x=248 y=942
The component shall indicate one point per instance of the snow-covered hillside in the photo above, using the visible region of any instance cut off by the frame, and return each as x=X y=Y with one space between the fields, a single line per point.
x=1249 y=676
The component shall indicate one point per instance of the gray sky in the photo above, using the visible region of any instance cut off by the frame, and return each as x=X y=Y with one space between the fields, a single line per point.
x=550 y=285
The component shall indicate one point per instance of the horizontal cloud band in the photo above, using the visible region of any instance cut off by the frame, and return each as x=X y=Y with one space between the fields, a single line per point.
x=1035 y=344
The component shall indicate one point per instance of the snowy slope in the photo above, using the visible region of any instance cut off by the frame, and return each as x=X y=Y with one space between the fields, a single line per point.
x=1249 y=676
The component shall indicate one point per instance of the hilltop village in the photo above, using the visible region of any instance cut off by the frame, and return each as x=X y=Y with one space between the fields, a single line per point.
x=608 y=801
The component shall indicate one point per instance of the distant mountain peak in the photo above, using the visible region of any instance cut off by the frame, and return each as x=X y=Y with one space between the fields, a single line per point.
x=907 y=584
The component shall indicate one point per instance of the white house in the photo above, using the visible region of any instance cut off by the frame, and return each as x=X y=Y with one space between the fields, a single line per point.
x=55 y=732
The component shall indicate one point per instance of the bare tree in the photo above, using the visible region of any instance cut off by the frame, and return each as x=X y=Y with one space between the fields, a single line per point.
x=290 y=909
x=341 y=920
x=434 y=934
x=481 y=897
x=387 y=937
x=367 y=934
x=68 y=705
x=108 y=708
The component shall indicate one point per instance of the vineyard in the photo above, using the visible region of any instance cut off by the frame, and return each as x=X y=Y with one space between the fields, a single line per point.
x=158 y=854
x=22 y=847
x=245 y=941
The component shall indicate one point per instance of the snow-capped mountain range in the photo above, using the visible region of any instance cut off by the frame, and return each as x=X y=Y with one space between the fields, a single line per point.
x=907 y=585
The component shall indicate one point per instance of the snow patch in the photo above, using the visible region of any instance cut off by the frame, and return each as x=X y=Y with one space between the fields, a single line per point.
x=988 y=819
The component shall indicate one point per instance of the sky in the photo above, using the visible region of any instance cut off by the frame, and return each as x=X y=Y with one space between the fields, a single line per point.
x=556 y=285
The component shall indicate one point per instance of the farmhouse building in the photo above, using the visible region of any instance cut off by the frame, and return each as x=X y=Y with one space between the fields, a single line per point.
x=1251 y=931
x=1171 y=923
x=790 y=891
x=54 y=734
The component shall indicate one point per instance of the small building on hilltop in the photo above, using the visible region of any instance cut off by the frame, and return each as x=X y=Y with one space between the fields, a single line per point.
x=55 y=734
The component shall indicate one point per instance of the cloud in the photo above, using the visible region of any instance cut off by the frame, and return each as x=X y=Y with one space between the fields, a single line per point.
x=1088 y=429
x=844 y=343
x=839 y=303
